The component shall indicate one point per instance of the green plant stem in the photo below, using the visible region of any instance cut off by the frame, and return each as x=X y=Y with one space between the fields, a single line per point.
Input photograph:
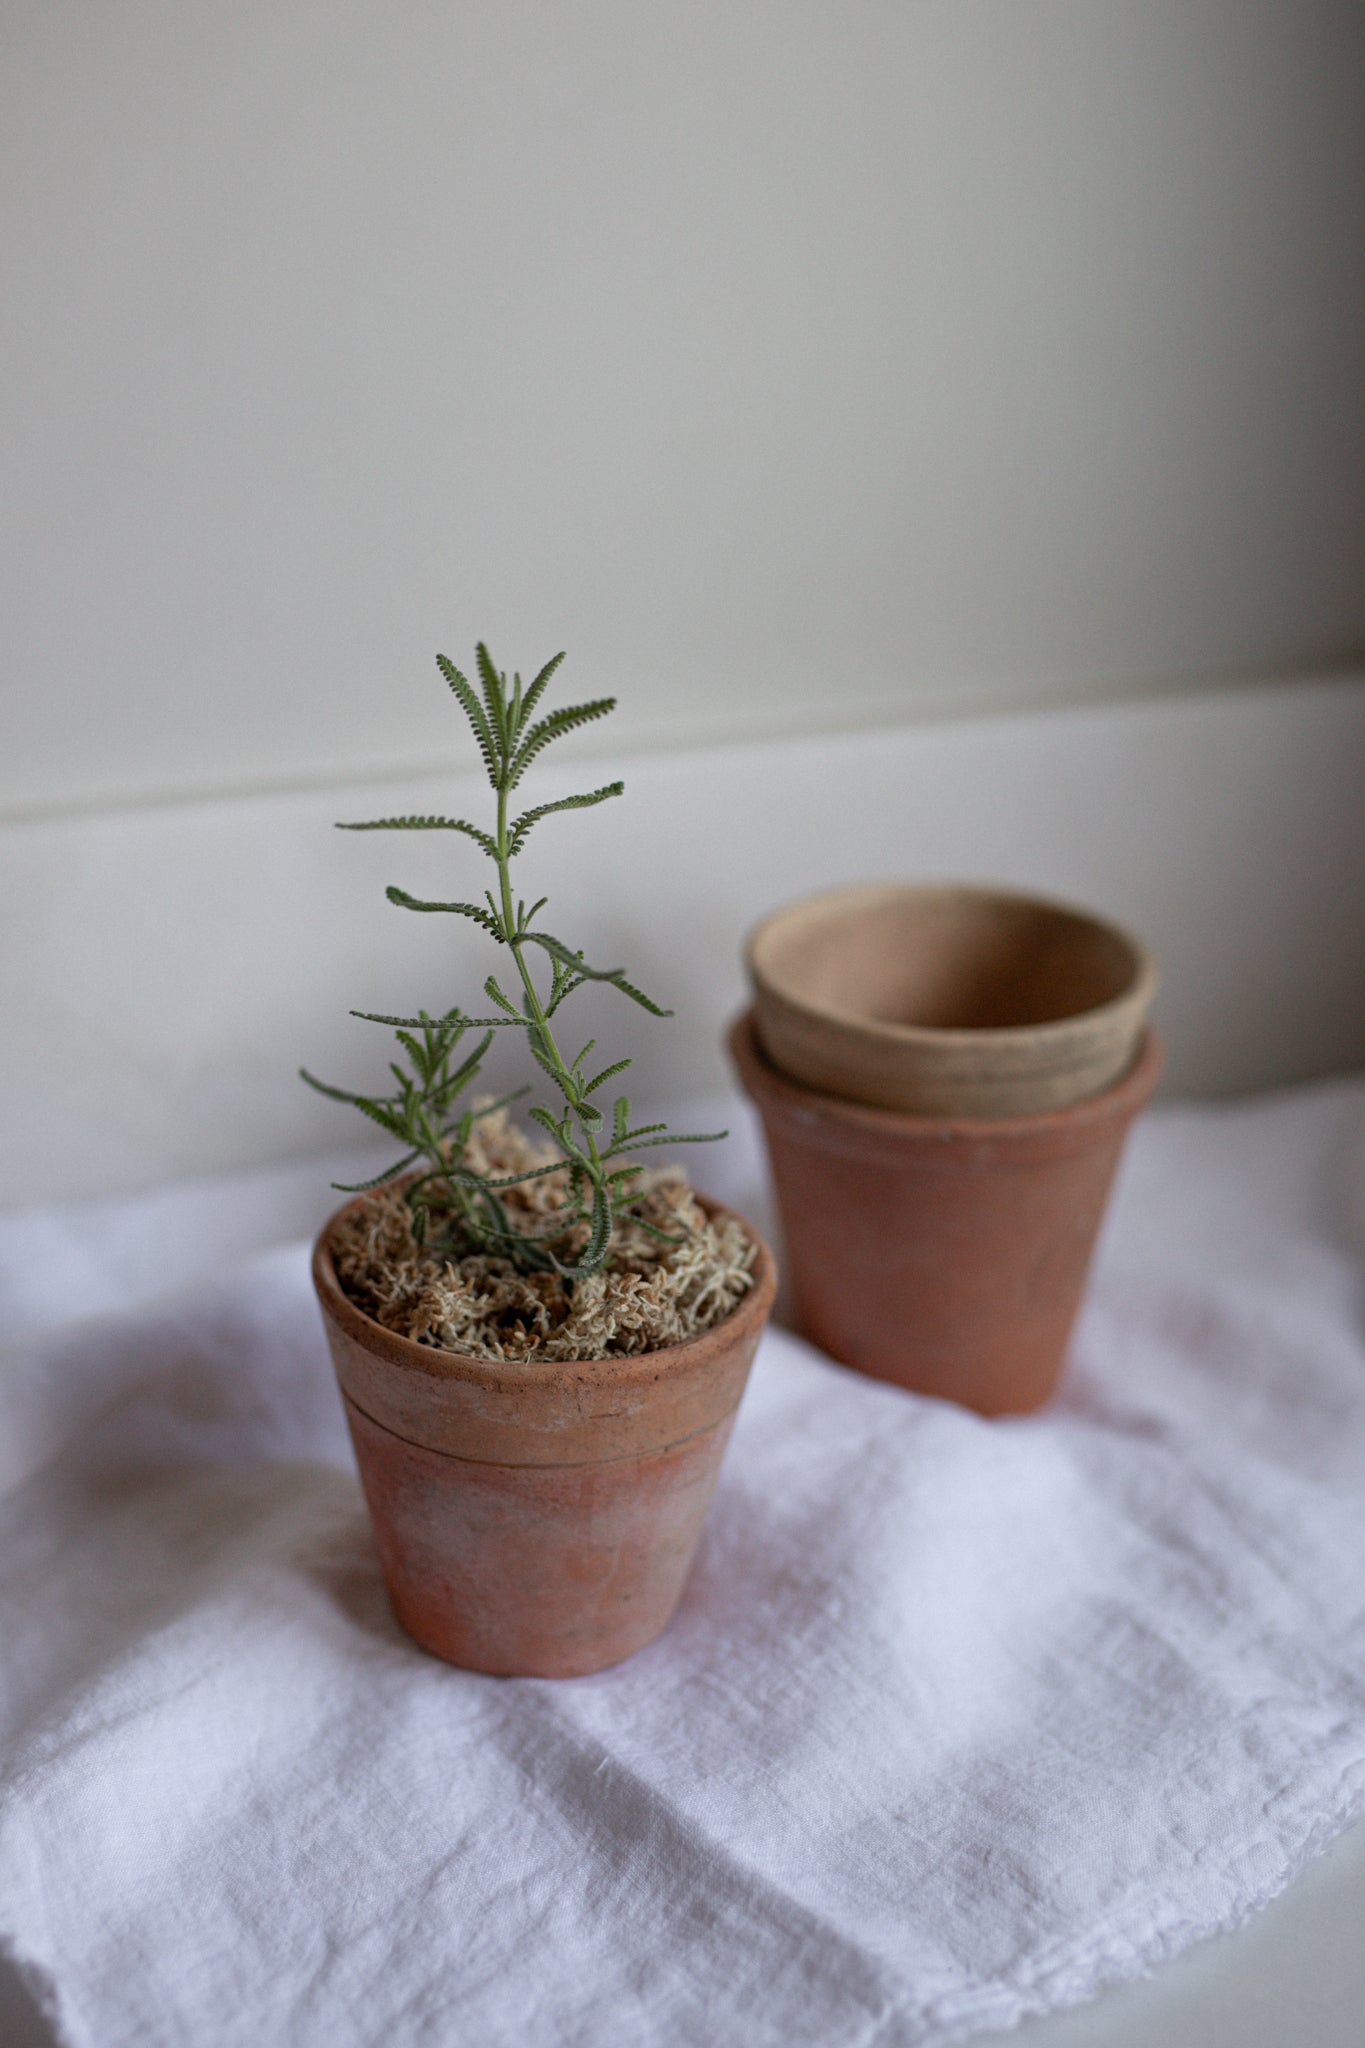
x=542 y=1022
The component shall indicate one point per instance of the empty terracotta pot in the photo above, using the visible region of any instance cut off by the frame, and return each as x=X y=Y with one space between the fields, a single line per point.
x=538 y=1519
x=945 y=1000
x=946 y=1255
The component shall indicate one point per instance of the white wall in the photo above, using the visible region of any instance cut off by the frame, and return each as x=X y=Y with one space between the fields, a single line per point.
x=794 y=364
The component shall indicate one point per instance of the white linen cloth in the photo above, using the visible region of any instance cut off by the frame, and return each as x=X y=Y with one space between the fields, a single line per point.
x=959 y=1720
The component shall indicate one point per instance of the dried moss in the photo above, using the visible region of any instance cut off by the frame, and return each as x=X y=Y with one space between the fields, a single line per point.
x=647 y=1296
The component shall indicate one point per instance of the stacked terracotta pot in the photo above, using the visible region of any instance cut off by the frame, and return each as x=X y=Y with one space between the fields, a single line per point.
x=946 y=1077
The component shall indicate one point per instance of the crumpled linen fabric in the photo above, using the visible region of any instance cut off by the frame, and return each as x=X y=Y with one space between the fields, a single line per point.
x=959 y=1720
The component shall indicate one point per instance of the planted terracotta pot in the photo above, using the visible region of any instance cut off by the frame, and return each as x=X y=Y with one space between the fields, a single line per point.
x=538 y=1519
x=945 y=1000
x=948 y=1255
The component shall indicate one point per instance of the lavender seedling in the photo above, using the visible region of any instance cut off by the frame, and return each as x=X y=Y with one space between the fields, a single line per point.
x=454 y=1207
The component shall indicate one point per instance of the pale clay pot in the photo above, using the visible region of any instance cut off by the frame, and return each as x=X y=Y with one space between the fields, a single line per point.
x=948 y=1000
x=539 y=1518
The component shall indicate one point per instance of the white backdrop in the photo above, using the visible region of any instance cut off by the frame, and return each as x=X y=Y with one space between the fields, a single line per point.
x=794 y=365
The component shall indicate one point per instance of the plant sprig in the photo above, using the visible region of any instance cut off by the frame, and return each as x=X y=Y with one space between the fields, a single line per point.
x=447 y=1197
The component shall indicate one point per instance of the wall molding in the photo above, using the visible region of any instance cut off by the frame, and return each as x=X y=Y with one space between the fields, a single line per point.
x=169 y=967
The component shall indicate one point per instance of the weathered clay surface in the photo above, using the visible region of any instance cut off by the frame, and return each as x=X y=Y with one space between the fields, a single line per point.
x=538 y=1519
x=941 y=1000
x=948 y=1256
x=555 y=1569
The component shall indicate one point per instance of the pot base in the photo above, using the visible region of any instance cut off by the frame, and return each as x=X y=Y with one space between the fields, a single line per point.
x=550 y=1571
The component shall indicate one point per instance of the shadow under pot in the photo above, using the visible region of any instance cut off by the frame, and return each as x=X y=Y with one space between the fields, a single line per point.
x=946 y=1255
x=538 y=1518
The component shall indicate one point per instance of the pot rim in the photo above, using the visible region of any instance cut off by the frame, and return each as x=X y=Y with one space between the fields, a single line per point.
x=637 y=1370
x=839 y=1120
x=992 y=1038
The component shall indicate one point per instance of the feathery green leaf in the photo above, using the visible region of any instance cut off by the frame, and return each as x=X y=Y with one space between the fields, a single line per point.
x=536 y=692
x=670 y=1138
x=324 y=1087
x=362 y=1187
x=553 y=727
x=484 y=839
x=479 y=913
x=614 y=975
x=616 y=1067
x=413 y=1023
x=522 y=826
x=504 y=1002
x=494 y=698
x=478 y=721
x=594 y=1252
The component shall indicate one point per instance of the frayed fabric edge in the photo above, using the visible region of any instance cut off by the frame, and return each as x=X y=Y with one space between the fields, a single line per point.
x=1120 y=1954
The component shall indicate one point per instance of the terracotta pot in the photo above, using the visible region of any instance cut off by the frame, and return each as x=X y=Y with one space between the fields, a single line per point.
x=538 y=1519
x=946 y=1255
x=945 y=1000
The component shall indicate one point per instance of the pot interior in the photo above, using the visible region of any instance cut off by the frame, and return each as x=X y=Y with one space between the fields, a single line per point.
x=945 y=959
